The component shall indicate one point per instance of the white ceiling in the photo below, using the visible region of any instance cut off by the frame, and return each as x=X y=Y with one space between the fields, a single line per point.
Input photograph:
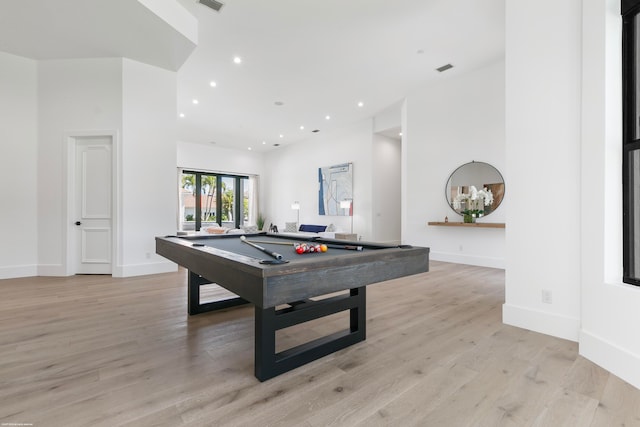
x=317 y=58
x=321 y=58
x=64 y=29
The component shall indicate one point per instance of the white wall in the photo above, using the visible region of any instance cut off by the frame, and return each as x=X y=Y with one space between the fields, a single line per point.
x=447 y=124
x=291 y=174
x=389 y=118
x=148 y=191
x=386 y=203
x=18 y=166
x=138 y=103
x=543 y=75
x=610 y=315
x=219 y=159
x=73 y=95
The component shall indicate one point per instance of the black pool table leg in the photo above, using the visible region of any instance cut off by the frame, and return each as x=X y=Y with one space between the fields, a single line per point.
x=195 y=281
x=358 y=315
x=268 y=363
x=265 y=343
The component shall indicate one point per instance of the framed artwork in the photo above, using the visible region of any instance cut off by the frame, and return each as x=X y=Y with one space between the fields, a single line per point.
x=336 y=185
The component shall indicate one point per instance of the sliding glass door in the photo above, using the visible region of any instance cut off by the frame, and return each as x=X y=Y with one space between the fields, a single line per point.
x=208 y=199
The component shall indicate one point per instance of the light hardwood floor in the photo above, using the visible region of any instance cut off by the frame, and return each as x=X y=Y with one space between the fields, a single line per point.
x=97 y=351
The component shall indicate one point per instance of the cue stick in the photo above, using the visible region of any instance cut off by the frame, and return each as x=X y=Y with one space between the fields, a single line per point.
x=329 y=245
x=272 y=243
x=348 y=247
x=265 y=250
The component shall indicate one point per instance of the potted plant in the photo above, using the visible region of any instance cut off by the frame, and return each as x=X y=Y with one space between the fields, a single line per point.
x=260 y=221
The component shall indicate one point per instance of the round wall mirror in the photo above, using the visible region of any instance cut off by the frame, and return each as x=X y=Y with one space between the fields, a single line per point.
x=475 y=188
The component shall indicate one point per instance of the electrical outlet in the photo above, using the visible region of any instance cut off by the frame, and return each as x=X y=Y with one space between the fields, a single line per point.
x=148 y=255
x=547 y=296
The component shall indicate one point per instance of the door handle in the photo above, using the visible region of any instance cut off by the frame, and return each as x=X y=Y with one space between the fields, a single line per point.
x=78 y=223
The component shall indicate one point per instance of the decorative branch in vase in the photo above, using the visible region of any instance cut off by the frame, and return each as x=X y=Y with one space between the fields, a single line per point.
x=471 y=205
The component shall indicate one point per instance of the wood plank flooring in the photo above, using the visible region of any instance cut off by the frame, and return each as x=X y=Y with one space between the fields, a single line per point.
x=98 y=351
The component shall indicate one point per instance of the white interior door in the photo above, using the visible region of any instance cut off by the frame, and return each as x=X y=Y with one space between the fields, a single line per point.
x=93 y=200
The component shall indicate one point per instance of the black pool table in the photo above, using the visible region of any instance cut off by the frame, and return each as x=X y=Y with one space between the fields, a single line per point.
x=281 y=291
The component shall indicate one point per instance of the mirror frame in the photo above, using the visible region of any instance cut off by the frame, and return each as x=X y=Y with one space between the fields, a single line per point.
x=447 y=186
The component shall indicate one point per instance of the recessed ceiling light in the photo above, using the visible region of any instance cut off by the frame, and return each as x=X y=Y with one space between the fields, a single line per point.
x=237 y=60
x=213 y=84
x=360 y=104
x=327 y=117
x=301 y=127
x=249 y=148
x=264 y=142
x=400 y=134
x=281 y=136
x=195 y=101
x=181 y=114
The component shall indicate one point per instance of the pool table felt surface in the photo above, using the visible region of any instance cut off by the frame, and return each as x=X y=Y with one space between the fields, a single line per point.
x=234 y=245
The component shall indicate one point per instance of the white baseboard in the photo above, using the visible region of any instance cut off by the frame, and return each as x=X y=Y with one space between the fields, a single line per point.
x=144 y=269
x=480 y=261
x=611 y=357
x=15 y=271
x=56 y=270
x=544 y=322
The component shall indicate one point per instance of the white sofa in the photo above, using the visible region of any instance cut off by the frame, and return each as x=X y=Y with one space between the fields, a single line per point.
x=310 y=230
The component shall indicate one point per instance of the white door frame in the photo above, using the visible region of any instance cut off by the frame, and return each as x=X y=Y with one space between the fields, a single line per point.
x=69 y=197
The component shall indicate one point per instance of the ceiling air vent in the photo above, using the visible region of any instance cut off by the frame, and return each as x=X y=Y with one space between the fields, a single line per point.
x=444 y=68
x=213 y=4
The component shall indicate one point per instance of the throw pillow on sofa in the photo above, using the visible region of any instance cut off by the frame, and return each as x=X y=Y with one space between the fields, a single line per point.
x=290 y=227
x=309 y=228
x=249 y=229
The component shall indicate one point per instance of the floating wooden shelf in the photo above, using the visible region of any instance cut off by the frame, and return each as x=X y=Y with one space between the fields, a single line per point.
x=466 y=224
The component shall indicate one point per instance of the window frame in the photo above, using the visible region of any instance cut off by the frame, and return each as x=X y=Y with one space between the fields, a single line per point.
x=630 y=136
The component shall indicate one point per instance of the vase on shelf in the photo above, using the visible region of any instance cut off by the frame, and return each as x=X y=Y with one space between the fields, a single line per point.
x=469 y=218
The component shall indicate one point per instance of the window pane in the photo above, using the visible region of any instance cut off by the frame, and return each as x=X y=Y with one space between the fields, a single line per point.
x=636 y=79
x=633 y=189
x=187 y=202
x=246 y=197
x=208 y=201
x=228 y=205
